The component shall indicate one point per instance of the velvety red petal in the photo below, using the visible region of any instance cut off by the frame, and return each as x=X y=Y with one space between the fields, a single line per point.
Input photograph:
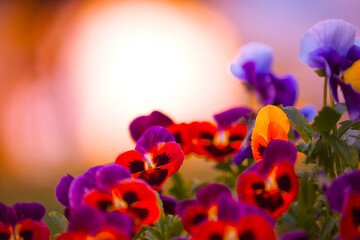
x=132 y=160
x=193 y=216
x=182 y=134
x=141 y=200
x=98 y=199
x=350 y=219
x=255 y=228
x=168 y=153
x=155 y=177
x=274 y=192
x=215 y=230
x=35 y=229
x=5 y=230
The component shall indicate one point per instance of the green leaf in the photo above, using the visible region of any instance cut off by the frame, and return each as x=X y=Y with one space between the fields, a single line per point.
x=346 y=125
x=326 y=229
x=326 y=120
x=299 y=122
x=59 y=219
x=346 y=152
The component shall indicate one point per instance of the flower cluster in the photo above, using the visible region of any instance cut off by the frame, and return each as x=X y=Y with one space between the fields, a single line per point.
x=254 y=151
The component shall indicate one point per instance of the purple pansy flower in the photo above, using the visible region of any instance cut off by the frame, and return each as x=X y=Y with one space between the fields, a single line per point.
x=91 y=223
x=331 y=46
x=254 y=68
x=23 y=220
x=344 y=197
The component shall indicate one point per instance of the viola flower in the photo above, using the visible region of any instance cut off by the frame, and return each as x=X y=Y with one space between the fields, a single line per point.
x=253 y=67
x=156 y=157
x=331 y=46
x=23 y=221
x=344 y=197
x=236 y=220
x=111 y=188
x=204 y=208
x=271 y=123
x=90 y=223
x=271 y=183
x=221 y=142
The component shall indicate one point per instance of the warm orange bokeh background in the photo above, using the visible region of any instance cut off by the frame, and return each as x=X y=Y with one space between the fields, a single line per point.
x=75 y=73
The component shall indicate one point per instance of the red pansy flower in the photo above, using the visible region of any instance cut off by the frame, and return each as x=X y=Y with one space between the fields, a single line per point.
x=156 y=157
x=272 y=183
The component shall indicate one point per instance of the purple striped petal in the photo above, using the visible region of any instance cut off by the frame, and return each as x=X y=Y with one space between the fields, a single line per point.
x=229 y=209
x=347 y=183
x=86 y=219
x=119 y=220
x=139 y=125
x=81 y=185
x=62 y=190
x=276 y=152
x=225 y=119
x=286 y=89
x=152 y=137
x=208 y=194
x=23 y=211
x=110 y=175
x=334 y=34
x=6 y=214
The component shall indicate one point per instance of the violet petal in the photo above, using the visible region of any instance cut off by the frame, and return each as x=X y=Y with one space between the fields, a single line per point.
x=340 y=187
x=225 y=119
x=286 y=90
x=152 y=137
x=110 y=175
x=335 y=34
x=208 y=194
x=139 y=125
x=23 y=211
x=62 y=190
x=276 y=152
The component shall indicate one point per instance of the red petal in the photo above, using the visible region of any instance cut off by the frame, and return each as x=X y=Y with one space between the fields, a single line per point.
x=256 y=228
x=143 y=205
x=155 y=177
x=132 y=160
x=350 y=220
x=38 y=229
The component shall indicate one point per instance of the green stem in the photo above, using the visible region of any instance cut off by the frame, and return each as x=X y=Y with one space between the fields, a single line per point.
x=325 y=92
x=332 y=102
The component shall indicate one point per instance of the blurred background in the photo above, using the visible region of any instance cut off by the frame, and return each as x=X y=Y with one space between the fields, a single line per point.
x=75 y=73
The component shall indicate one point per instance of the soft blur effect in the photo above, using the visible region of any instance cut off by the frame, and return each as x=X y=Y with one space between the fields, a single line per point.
x=75 y=73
